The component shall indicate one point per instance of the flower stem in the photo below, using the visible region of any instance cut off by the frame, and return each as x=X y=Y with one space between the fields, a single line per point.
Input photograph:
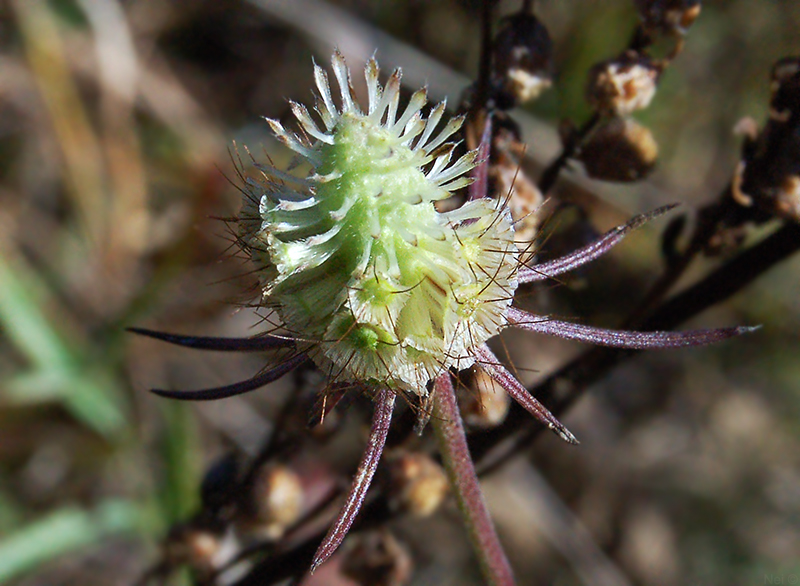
x=455 y=454
x=571 y=147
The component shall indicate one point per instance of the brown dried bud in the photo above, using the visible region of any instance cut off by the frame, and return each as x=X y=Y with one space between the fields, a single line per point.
x=377 y=558
x=620 y=150
x=623 y=85
x=276 y=501
x=418 y=484
x=523 y=57
x=670 y=16
x=486 y=404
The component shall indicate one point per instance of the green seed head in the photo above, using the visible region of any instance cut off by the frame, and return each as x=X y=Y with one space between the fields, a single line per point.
x=356 y=259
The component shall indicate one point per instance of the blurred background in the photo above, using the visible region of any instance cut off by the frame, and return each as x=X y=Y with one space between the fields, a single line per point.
x=117 y=120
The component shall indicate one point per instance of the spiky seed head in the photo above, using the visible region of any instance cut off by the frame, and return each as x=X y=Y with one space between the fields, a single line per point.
x=356 y=259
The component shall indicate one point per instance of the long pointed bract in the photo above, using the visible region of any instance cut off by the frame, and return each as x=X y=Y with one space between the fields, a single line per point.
x=384 y=405
x=489 y=362
x=254 y=344
x=588 y=253
x=239 y=388
x=618 y=338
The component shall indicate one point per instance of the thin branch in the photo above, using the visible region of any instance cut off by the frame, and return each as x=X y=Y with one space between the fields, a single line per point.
x=483 y=85
x=570 y=149
x=707 y=226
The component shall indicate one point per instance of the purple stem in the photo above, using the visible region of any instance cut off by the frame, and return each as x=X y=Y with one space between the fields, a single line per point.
x=384 y=404
x=489 y=362
x=455 y=454
x=619 y=338
x=588 y=253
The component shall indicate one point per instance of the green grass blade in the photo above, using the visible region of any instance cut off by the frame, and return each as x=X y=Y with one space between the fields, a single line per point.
x=64 y=531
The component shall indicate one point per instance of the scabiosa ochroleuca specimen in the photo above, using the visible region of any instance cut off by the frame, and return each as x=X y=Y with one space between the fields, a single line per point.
x=355 y=256
x=374 y=285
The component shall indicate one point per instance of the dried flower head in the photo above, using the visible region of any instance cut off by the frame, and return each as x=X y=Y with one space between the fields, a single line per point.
x=624 y=84
x=374 y=285
x=674 y=17
x=523 y=54
x=485 y=404
x=417 y=484
x=203 y=550
x=620 y=150
x=378 y=558
x=276 y=501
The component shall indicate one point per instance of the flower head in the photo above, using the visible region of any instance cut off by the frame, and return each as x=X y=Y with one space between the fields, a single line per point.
x=355 y=258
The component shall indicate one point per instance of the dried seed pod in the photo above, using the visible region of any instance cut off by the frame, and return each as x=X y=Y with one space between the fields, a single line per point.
x=673 y=17
x=377 y=558
x=623 y=85
x=486 y=404
x=620 y=150
x=769 y=175
x=523 y=57
x=417 y=484
x=276 y=501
